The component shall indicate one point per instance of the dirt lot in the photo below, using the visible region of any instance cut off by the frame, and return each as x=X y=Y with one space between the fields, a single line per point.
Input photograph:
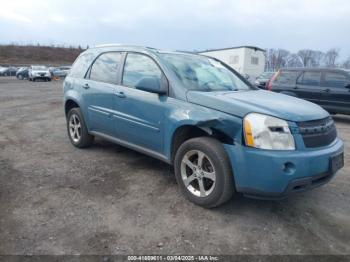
x=56 y=199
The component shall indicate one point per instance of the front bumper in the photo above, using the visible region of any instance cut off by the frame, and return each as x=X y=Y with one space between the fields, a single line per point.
x=41 y=77
x=274 y=174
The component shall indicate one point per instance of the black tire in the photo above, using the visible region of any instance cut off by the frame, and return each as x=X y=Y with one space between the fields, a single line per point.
x=224 y=186
x=49 y=79
x=85 y=139
x=34 y=79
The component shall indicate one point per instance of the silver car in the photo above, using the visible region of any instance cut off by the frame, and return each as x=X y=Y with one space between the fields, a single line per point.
x=39 y=72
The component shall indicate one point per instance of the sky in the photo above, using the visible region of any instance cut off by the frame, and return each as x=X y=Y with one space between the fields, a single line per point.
x=179 y=24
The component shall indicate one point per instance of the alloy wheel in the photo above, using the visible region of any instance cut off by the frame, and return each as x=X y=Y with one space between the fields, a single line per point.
x=198 y=173
x=75 y=128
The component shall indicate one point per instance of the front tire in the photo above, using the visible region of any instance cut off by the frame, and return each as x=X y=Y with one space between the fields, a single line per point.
x=203 y=172
x=77 y=130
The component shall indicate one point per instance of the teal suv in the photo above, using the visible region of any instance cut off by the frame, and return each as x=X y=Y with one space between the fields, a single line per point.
x=222 y=134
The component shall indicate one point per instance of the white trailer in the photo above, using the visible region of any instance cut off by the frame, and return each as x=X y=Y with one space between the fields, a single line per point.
x=247 y=60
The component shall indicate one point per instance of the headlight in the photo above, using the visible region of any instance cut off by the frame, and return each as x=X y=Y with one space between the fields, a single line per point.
x=267 y=132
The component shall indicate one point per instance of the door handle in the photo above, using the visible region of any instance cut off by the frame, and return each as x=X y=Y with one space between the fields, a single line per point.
x=120 y=94
x=86 y=86
x=326 y=90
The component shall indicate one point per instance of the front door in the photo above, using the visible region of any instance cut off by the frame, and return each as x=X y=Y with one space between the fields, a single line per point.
x=308 y=86
x=140 y=114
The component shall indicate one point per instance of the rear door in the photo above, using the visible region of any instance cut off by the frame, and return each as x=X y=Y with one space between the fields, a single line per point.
x=98 y=92
x=336 y=91
x=308 y=86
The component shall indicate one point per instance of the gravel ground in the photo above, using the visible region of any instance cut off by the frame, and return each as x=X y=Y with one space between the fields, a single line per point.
x=56 y=199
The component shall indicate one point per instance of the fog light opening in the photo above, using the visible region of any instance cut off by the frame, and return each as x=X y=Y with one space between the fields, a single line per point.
x=288 y=168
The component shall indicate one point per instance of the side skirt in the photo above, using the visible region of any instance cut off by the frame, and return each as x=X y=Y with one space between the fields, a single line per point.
x=132 y=146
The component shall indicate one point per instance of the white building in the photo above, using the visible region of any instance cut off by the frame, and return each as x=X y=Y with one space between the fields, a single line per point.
x=247 y=60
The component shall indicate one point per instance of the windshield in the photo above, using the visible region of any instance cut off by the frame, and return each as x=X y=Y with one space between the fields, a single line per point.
x=39 y=68
x=204 y=74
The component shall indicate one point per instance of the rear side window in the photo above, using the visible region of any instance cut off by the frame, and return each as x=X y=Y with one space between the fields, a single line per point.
x=310 y=79
x=138 y=67
x=333 y=79
x=105 y=68
x=81 y=65
x=287 y=77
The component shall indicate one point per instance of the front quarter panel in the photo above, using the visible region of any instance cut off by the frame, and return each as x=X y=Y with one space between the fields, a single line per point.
x=182 y=113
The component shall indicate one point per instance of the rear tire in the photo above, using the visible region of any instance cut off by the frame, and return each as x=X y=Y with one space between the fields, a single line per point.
x=207 y=182
x=77 y=130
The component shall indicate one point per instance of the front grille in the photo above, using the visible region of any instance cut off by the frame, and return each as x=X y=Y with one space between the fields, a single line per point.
x=317 y=133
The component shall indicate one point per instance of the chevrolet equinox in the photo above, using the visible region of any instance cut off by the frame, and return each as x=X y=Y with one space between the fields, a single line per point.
x=222 y=134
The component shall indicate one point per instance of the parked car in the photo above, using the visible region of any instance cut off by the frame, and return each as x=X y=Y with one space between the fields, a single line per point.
x=222 y=134
x=8 y=71
x=262 y=79
x=22 y=73
x=61 y=71
x=39 y=72
x=329 y=88
x=3 y=70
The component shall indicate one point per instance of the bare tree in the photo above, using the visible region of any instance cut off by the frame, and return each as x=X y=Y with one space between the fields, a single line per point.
x=346 y=63
x=305 y=57
x=293 y=60
x=331 y=56
x=276 y=58
x=316 y=58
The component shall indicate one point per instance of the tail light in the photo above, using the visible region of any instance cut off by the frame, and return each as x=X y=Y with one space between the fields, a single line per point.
x=273 y=78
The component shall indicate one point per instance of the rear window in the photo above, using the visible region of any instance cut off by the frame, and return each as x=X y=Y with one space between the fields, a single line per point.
x=81 y=65
x=287 y=77
x=333 y=79
x=310 y=79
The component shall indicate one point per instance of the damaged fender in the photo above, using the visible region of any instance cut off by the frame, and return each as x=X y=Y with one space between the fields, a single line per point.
x=210 y=121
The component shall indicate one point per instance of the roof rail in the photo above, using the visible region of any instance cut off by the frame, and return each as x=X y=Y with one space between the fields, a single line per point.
x=120 y=44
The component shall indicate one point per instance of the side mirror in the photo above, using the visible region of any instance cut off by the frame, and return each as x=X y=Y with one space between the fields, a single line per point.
x=153 y=85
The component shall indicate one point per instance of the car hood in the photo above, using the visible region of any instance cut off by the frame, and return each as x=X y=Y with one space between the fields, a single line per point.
x=240 y=103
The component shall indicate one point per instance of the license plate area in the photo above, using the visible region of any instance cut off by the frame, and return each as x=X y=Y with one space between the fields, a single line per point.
x=336 y=162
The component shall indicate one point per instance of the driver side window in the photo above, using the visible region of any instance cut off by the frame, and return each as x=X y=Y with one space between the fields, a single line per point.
x=139 y=68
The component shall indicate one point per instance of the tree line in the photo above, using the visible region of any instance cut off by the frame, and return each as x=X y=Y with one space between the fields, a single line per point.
x=276 y=58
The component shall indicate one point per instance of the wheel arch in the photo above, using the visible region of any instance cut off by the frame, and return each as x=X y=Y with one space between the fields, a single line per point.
x=69 y=104
x=187 y=131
